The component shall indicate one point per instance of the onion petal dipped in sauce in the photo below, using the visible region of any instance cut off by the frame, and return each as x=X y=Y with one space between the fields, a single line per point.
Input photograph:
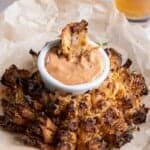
x=74 y=60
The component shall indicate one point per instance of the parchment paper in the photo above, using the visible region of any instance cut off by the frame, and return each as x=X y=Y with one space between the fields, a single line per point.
x=30 y=24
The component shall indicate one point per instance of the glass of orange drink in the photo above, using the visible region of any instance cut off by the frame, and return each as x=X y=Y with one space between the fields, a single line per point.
x=134 y=9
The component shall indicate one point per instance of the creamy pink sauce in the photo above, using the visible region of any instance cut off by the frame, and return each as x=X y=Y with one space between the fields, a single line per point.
x=74 y=71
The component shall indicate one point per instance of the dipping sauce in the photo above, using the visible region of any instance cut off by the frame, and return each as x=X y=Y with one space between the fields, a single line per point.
x=75 y=71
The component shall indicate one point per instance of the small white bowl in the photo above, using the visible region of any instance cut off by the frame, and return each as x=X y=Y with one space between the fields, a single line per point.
x=54 y=84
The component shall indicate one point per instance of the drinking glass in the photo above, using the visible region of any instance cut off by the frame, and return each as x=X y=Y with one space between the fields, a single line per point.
x=135 y=10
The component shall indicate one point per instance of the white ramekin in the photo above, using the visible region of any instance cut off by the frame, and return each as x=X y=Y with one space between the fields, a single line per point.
x=54 y=84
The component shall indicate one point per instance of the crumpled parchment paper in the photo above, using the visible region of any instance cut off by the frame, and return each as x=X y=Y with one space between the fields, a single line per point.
x=30 y=24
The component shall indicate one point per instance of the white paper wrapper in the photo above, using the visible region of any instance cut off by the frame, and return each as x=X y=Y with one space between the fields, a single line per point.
x=30 y=24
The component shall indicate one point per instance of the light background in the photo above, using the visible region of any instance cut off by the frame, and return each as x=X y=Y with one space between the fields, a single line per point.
x=5 y=3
